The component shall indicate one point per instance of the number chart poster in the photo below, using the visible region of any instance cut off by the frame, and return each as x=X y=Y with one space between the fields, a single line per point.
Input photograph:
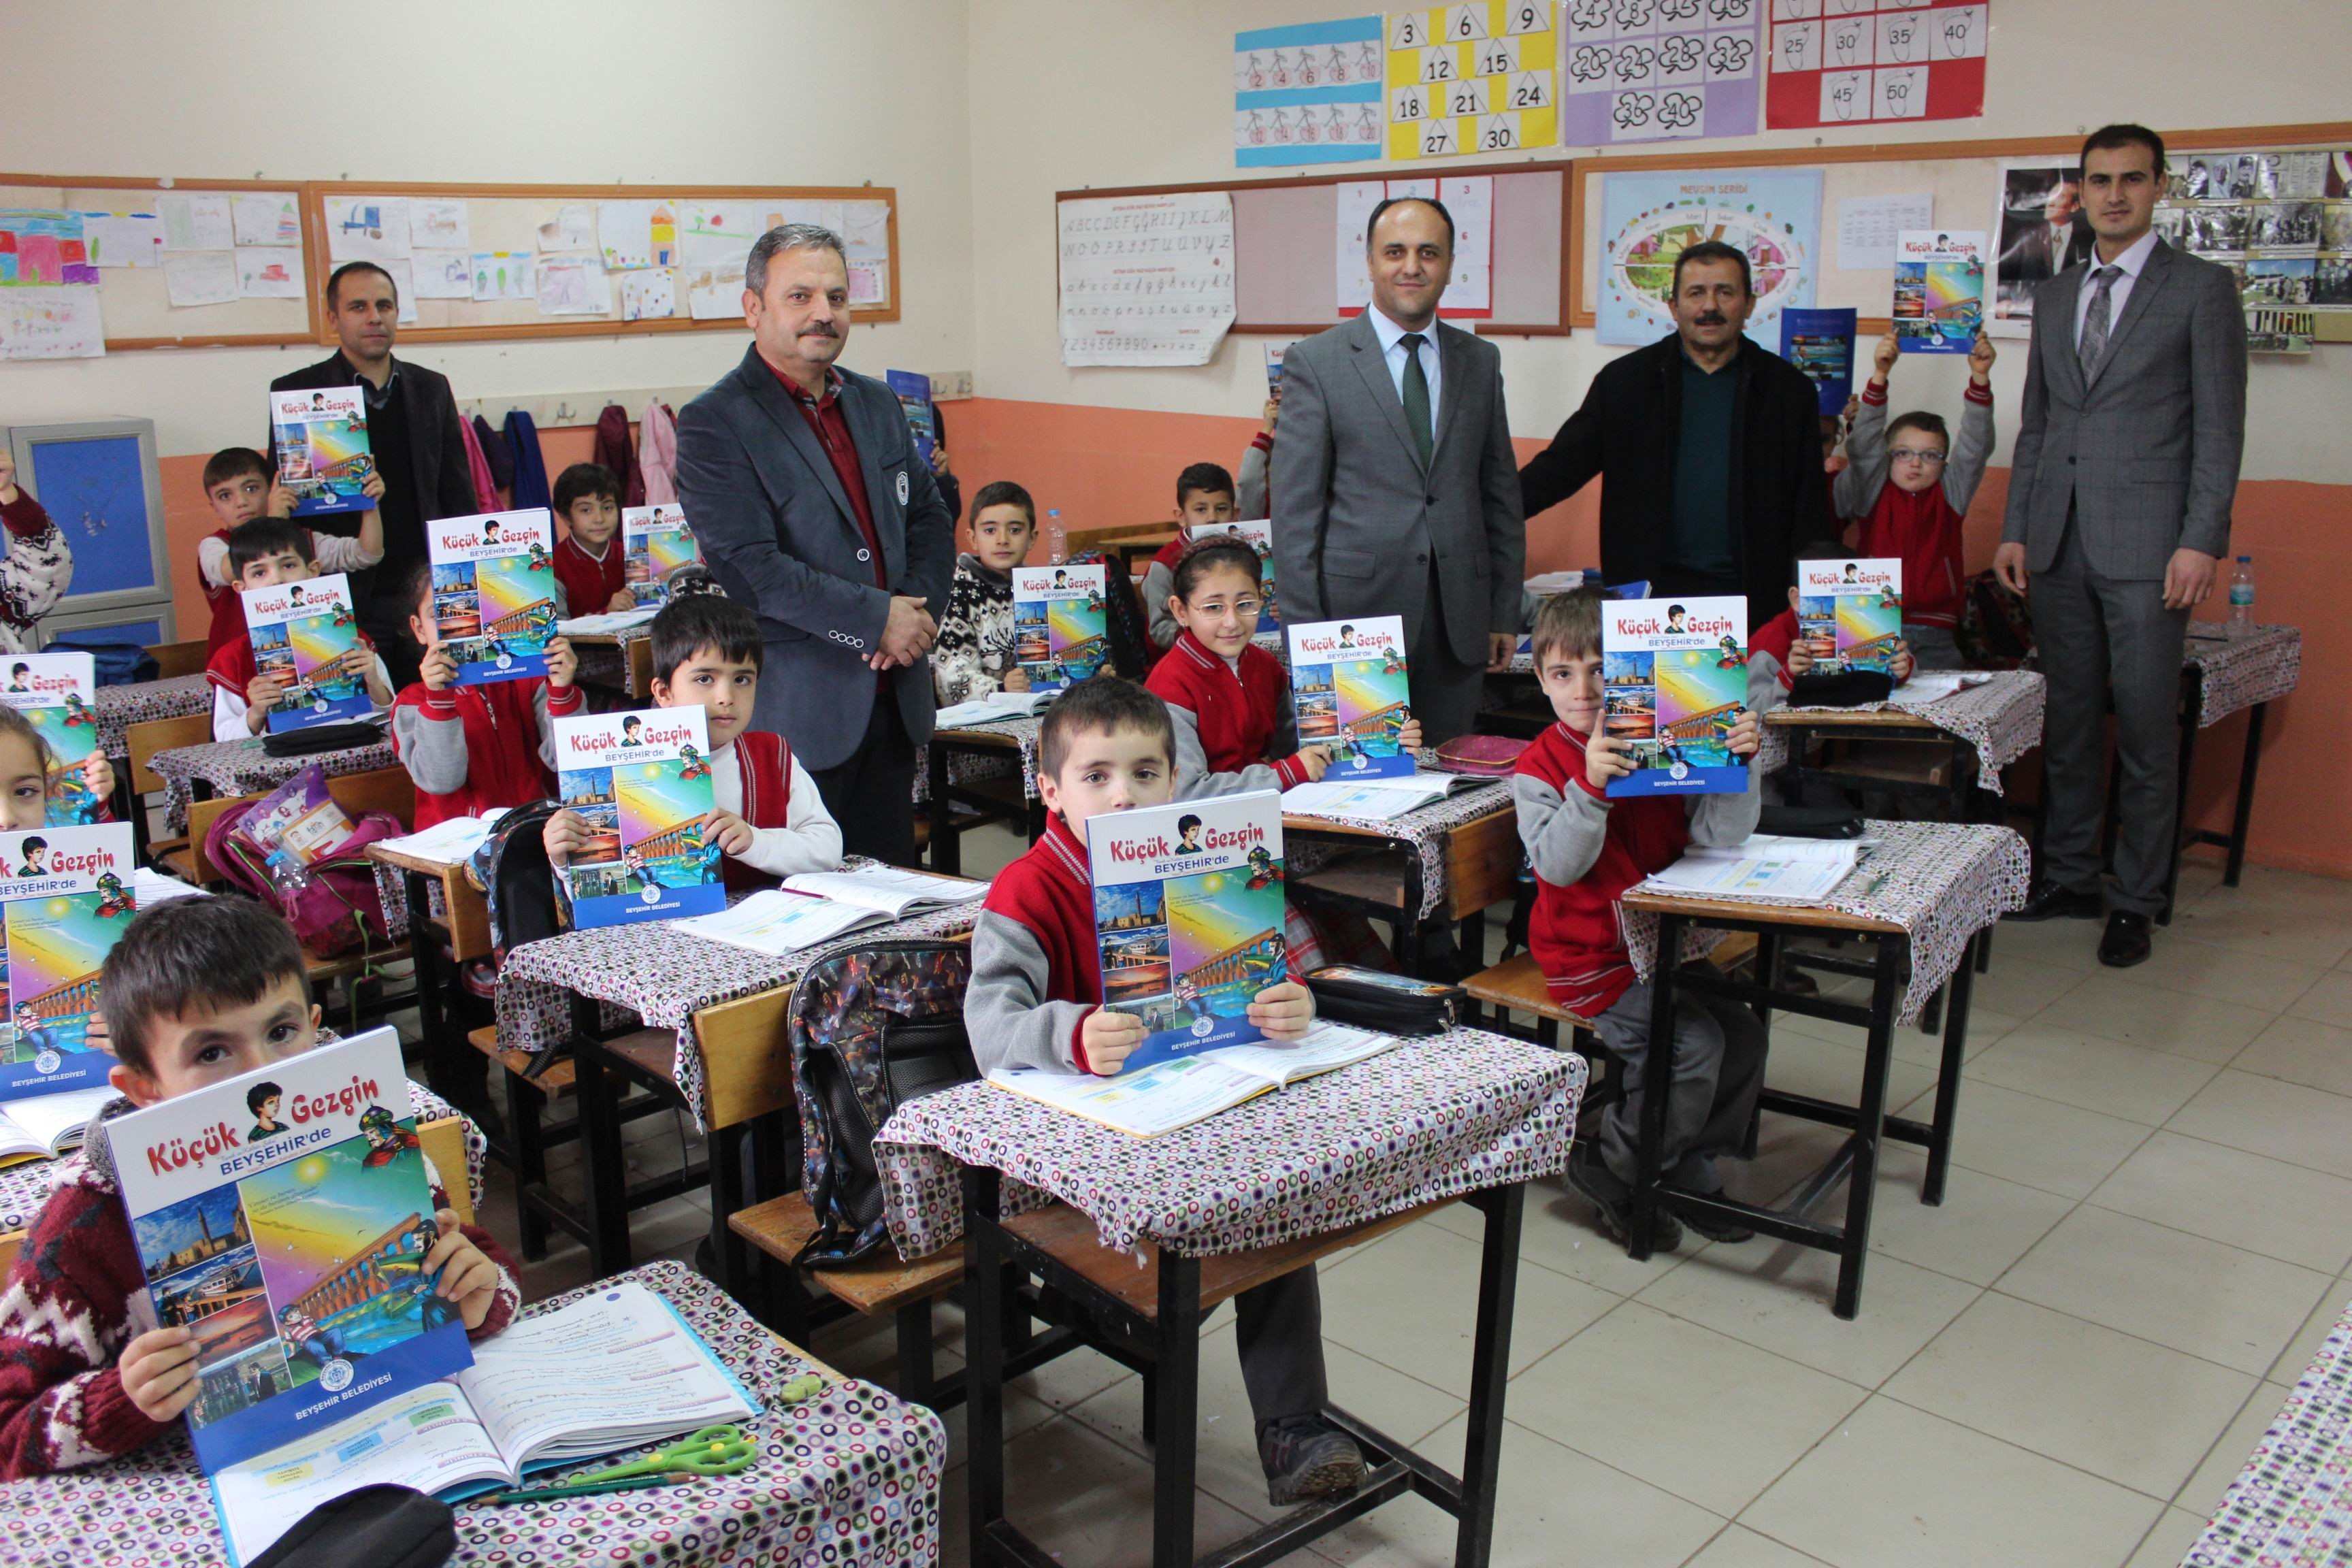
x=1650 y=70
x=1857 y=62
x=1476 y=77
x=1308 y=94
x=1649 y=219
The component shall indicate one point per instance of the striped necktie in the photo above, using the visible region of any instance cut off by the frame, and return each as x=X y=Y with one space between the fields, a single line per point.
x=2098 y=320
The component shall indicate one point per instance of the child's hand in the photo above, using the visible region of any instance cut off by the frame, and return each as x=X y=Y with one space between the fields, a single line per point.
x=261 y=694
x=562 y=664
x=94 y=1034
x=728 y=831
x=1901 y=666
x=159 y=1373
x=469 y=1280
x=566 y=835
x=438 y=670
x=1016 y=679
x=1801 y=657
x=1271 y=411
x=624 y=600
x=1605 y=759
x=280 y=501
x=1881 y=359
x=1283 y=1012
x=1852 y=406
x=371 y=487
x=1746 y=735
x=355 y=662
x=1980 y=358
x=1108 y=1038
x=1409 y=737
x=1315 y=760
x=98 y=775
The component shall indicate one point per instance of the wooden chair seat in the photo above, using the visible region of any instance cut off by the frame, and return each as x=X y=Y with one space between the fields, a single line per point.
x=1899 y=761
x=173 y=659
x=1516 y=984
x=780 y=1228
x=554 y=1083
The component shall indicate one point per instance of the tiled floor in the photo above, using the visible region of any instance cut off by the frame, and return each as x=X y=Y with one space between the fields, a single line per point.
x=2147 y=1234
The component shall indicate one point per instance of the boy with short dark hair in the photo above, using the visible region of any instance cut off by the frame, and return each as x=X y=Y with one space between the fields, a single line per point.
x=973 y=656
x=767 y=816
x=262 y=553
x=1586 y=849
x=1204 y=494
x=197 y=990
x=1036 y=1001
x=589 y=564
x=239 y=487
x=1775 y=650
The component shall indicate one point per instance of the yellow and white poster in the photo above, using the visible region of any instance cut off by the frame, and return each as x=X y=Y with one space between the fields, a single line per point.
x=1480 y=77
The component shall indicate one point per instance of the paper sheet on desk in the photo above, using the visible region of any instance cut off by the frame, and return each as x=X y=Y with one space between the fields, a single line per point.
x=450 y=841
x=1766 y=867
x=1934 y=685
x=990 y=709
x=606 y=625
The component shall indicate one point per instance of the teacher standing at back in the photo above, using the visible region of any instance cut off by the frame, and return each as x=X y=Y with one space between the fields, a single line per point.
x=1395 y=489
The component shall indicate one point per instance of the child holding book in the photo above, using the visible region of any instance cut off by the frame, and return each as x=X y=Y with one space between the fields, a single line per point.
x=25 y=780
x=589 y=579
x=1204 y=494
x=264 y=554
x=198 y=990
x=1036 y=1001
x=1907 y=485
x=1776 y=650
x=973 y=656
x=768 y=819
x=473 y=749
x=238 y=487
x=37 y=568
x=1586 y=849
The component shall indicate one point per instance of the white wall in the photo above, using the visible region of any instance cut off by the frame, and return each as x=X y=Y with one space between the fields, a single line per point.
x=1067 y=93
x=772 y=92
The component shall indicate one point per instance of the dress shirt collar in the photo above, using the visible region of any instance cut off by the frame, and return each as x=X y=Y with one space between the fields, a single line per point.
x=2134 y=259
x=1390 y=333
x=831 y=385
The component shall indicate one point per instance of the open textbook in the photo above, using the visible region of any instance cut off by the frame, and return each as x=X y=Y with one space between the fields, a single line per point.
x=306 y=636
x=993 y=708
x=1850 y=609
x=818 y=906
x=640 y=781
x=1674 y=677
x=50 y=1125
x=54 y=692
x=1348 y=685
x=654 y=543
x=449 y=840
x=1764 y=866
x=1376 y=798
x=494 y=593
x=526 y=1404
x=67 y=897
x=607 y=623
x=1178 y=1092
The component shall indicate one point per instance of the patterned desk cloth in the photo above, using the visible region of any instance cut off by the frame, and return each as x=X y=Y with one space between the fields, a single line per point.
x=25 y=1188
x=607 y=663
x=662 y=977
x=241 y=767
x=849 y=1476
x=2001 y=719
x=2290 y=1507
x=119 y=707
x=2242 y=672
x=1434 y=1119
x=1941 y=881
x=968 y=766
x=1423 y=830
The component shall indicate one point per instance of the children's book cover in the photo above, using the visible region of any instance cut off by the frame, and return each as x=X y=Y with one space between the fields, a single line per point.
x=1940 y=285
x=56 y=692
x=322 y=437
x=1851 y=611
x=914 y=394
x=1259 y=536
x=66 y=897
x=307 y=637
x=654 y=543
x=1188 y=916
x=1060 y=623
x=1348 y=682
x=494 y=593
x=1674 y=678
x=642 y=780
x=1820 y=344
x=283 y=1216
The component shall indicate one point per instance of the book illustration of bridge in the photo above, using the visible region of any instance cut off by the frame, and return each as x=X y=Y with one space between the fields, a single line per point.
x=1708 y=725
x=1085 y=653
x=362 y=1275
x=1881 y=646
x=686 y=838
x=1246 y=959
x=70 y=1000
x=1381 y=721
x=534 y=617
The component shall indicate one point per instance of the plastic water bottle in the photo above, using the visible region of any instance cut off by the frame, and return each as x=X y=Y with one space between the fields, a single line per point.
x=1057 y=538
x=2242 y=598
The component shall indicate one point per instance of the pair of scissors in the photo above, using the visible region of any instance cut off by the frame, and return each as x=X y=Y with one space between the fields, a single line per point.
x=713 y=1451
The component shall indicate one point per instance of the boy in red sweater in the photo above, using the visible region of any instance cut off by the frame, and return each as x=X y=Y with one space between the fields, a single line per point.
x=1036 y=1001
x=473 y=749
x=1586 y=849
x=263 y=554
x=1909 y=485
x=589 y=560
x=198 y=990
x=238 y=487
x=1204 y=494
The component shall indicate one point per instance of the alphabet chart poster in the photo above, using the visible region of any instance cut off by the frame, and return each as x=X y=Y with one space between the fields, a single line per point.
x=1650 y=70
x=1853 y=62
x=1476 y=77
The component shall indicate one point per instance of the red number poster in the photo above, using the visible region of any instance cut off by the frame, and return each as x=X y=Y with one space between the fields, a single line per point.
x=1862 y=62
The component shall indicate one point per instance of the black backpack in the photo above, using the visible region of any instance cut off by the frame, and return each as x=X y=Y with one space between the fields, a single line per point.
x=519 y=881
x=871 y=1028
x=1125 y=628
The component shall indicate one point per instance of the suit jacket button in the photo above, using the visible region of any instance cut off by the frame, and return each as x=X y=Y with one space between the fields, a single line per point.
x=2070 y=462
x=865 y=556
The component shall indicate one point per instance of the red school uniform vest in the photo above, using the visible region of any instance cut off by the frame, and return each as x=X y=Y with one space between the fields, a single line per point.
x=589 y=583
x=766 y=765
x=1237 y=711
x=501 y=723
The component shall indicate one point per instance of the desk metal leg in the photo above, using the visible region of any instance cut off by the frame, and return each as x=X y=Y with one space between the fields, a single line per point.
x=1482 y=1454
x=2192 y=715
x=1177 y=1429
x=2243 y=817
x=602 y=1169
x=1948 y=1076
x=1862 y=1180
x=947 y=850
x=441 y=1064
x=1658 y=1079
x=983 y=1263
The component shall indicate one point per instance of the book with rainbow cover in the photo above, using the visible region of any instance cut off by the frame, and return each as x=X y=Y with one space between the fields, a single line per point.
x=1674 y=680
x=56 y=693
x=67 y=897
x=1349 y=686
x=299 y=632
x=1060 y=623
x=654 y=543
x=494 y=592
x=1939 y=287
x=1849 y=608
x=321 y=436
x=642 y=780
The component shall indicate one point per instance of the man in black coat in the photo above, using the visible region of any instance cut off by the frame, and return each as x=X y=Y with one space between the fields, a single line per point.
x=1710 y=445
x=412 y=435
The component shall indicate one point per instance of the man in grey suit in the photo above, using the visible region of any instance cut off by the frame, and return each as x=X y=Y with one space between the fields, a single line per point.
x=1395 y=489
x=801 y=483
x=2119 y=499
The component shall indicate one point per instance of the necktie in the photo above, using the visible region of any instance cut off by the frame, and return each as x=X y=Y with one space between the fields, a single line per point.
x=1416 y=397
x=2096 y=319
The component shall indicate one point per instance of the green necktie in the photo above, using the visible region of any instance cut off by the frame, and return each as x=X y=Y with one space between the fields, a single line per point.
x=1416 y=397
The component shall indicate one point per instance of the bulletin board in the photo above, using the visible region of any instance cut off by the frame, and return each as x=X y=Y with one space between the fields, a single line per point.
x=688 y=231
x=134 y=303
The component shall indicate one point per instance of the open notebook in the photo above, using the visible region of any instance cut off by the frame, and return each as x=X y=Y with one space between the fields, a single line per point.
x=449 y=840
x=1766 y=867
x=1181 y=1091
x=994 y=707
x=48 y=1125
x=1377 y=798
x=818 y=906
x=616 y=1371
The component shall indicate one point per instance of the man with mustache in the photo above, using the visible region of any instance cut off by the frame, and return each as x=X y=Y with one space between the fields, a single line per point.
x=1710 y=445
x=810 y=503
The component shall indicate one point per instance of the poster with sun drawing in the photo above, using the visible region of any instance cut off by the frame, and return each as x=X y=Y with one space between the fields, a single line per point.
x=1351 y=690
x=1060 y=623
x=1850 y=609
x=641 y=781
x=54 y=692
x=1188 y=916
x=307 y=637
x=1771 y=216
x=1481 y=77
x=283 y=1216
x=67 y=897
x=1674 y=677
x=494 y=593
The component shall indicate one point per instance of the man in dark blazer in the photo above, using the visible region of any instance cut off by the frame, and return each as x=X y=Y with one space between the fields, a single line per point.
x=2119 y=499
x=801 y=483
x=1394 y=490
x=1710 y=447
x=411 y=420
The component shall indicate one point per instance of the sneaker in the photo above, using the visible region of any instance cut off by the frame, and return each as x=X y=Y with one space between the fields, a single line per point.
x=1613 y=1201
x=1714 y=1229
x=1307 y=1458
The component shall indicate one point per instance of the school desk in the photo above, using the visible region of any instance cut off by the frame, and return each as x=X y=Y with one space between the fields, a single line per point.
x=1148 y=1234
x=965 y=776
x=1124 y=542
x=1981 y=729
x=119 y=707
x=440 y=901
x=622 y=660
x=241 y=767
x=2292 y=1505
x=1446 y=862
x=850 y=1476
x=1925 y=898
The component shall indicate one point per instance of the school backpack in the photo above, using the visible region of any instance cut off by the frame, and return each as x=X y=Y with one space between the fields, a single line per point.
x=871 y=1029
x=516 y=878
x=1124 y=627
x=1996 y=628
x=114 y=661
x=333 y=901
